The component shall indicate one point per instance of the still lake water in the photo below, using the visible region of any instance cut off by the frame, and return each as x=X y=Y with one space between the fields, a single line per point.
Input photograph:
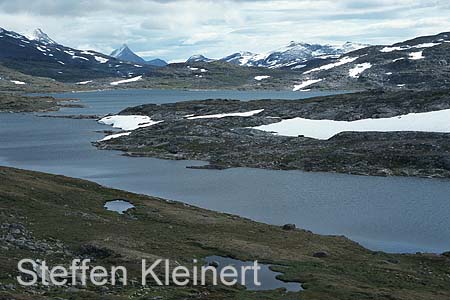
x=391 y=214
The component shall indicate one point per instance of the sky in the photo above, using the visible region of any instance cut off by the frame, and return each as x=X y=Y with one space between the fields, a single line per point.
x=176 y=29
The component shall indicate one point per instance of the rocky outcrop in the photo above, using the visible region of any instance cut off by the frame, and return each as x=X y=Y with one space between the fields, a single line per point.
x=229 y=142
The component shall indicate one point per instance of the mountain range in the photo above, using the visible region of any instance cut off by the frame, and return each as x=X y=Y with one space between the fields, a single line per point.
x=126 y=54
x=291 y=56
x=39 y=55
x=419 y=63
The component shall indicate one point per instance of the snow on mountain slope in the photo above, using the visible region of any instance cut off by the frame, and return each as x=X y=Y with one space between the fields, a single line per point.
x=198 y=58
x=126 y=54
x=291 y=55
x=420 y=63
x=41 y=56
x=42 y=37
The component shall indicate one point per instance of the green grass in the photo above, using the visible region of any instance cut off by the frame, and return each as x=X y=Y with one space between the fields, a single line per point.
x=56 y=208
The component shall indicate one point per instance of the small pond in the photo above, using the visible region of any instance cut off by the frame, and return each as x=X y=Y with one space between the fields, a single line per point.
x=119 y=206
x=266 y=276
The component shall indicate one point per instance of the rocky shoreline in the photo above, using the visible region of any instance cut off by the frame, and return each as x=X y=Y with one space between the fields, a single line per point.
x=230 y=142
x=18 y=103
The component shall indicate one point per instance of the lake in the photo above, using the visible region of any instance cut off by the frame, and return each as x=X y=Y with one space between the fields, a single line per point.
x=391 y=214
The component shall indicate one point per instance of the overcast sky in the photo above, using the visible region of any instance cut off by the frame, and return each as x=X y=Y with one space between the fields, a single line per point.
x=175 y=29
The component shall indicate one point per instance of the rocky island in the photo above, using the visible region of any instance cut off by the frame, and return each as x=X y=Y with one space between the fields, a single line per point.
x=216 y=131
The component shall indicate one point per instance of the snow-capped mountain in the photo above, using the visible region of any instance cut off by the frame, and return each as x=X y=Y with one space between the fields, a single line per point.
x=350 y=46
x=126 y=54
x=40 y=36
x=420 y=63
x=240 y=58
x=198 y=58
x=39 y=55
x=292 y=55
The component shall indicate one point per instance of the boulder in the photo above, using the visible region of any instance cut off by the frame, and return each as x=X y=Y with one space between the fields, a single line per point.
x=320 y=254
x=289 y=227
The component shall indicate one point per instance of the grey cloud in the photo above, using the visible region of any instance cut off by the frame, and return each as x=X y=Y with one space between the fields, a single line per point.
x=179 y=28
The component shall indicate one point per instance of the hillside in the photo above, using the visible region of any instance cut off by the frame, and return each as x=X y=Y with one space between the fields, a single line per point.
x=420 y=63
x=57 y=219
x=37 y=57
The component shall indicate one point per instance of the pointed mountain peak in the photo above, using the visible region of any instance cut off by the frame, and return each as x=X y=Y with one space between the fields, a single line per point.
x=124 y=47
x=40 y=36
x=122 y=50
x=126 y=54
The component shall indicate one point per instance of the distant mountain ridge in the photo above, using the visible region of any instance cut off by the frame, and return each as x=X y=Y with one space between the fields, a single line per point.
x=290 y=56
x=157 y=62
x=198 y=58
x=419 y=63
x=126 y=54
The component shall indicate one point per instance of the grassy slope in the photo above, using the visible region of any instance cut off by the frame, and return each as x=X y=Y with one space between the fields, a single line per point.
x=33 y=84
x=56 y=208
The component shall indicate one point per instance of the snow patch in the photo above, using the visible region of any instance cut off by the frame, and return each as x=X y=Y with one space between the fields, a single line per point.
x=416 y=55
x=435 y=121
x=340 y=62
x=100 y=59
x=219 y=116
x=390 y=49
x=134 y=79
x=128 y=122
x=298 y=67
x=41 y=49
x=306 y=83
x=357 y=70
x=261 y=77
x=114 y=136
x=407 y=47
x=84 y=82
x=18 y=82
x=426 y=45
x=79 y=57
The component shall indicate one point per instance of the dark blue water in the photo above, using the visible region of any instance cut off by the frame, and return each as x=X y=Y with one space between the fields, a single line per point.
x=99 y=103
x=266 y=277
x=392 y=214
